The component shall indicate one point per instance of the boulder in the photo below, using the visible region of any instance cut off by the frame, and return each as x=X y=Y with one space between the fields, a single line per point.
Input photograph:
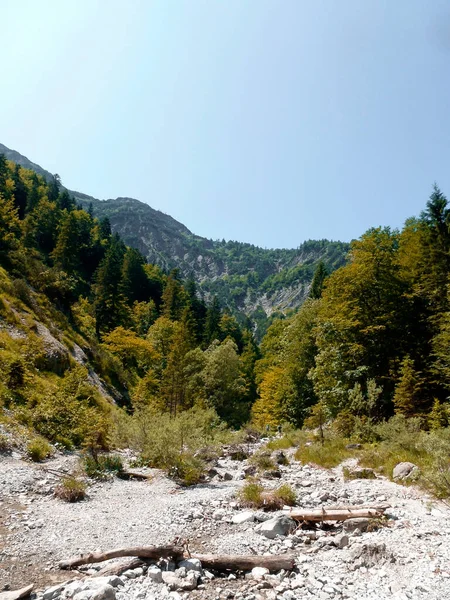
x=191 y=564
x=176 y=583
x=276 y=526
x=280 y=458
x=105 y=592
x=358 y=524
x=155 y=574
x=406 y=471
x=243 y=517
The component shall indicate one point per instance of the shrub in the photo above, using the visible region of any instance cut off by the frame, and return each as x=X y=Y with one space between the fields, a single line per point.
x=188 y=470
x=286 y=494
x=262 y=460
x=251 y=494
x=329 y=454
x=71 y=489
x=38 y=449
x=5 y=443
x=254 y=495
x=98 y=467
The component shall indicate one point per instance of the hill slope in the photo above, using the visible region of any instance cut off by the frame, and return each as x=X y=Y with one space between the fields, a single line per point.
x=246 y=278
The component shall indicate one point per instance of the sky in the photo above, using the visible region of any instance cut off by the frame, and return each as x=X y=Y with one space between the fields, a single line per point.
x=265 y=121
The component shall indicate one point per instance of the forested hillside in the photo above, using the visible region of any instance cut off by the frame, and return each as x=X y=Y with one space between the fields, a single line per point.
x=86 y=321
x=249 y=281
x=87 y=326
x=377 y=341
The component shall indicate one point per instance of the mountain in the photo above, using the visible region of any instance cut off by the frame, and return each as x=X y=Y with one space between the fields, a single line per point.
x=248 y=279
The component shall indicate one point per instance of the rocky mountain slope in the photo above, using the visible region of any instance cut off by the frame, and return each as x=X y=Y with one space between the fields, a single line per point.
x=248 y=279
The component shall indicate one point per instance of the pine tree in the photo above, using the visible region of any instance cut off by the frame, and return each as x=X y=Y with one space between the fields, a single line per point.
x=134 y=281
x=20 y=193
x=109 y=304
x=320 y=274
x=407 y=390
x=212 y=322
x=54 y=187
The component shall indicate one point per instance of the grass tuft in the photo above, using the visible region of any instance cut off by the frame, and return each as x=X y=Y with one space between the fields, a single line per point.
x=71 y=489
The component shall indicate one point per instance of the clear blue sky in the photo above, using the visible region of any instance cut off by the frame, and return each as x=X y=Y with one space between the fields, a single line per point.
x=263 y=121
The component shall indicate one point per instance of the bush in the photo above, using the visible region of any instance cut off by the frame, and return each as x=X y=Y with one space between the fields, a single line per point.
x=262 y=460
x=5 y=443
x=251 y=494
x=71 y=489
x=98 y=467
x=329 y=454
x=254 y=495
x=171 y=443
x=286 y=494
x=38 y=449
x=188 y=470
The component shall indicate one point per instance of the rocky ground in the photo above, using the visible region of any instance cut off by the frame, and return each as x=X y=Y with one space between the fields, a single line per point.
x=408 y=558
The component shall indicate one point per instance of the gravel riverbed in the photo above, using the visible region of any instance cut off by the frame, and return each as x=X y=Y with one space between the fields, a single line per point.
x=409 y=559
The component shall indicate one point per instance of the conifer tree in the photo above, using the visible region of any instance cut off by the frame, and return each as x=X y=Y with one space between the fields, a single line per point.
x=109 y=303
x=134 y=282
x=20 y=193
x=212 y=322
x=320 y=274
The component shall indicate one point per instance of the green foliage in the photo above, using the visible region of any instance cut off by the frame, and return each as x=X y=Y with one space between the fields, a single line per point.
x=262 y=460
x=329 y=454
x=286 y=494
x=38 y=449
x=171 y=442
x=71 y=489
x=101 y=465
x=251 y=494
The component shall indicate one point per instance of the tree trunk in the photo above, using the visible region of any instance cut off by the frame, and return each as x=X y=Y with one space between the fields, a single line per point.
x=155 y=552
x=245 y=563
x=340 y=514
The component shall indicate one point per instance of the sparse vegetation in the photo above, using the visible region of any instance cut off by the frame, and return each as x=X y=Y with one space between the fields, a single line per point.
x=71 y=489
x=254 y=495
x=100 y=466
x=38 y=449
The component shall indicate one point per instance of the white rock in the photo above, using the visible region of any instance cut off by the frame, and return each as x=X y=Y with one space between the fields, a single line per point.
x=191 y=564
x=243 y=517
x=259 y=572
x=155 y=574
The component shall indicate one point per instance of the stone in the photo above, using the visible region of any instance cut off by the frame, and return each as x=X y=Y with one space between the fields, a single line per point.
x=227 y=476
x=353 y=447
x=280 y=458
x=259 y=572
x=155 y=574
x=360 y=524
x=243 y=517
x=276 y=526
x=249 y=470
x=406 y=470
x=105 y=592
x=272 y=474
x=219 y=514
x=175 y=583
x=341 y=541
x=191 y=564
x=52 y=592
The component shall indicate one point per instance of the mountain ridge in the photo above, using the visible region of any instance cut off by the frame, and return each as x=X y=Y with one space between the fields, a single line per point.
x=248 y=279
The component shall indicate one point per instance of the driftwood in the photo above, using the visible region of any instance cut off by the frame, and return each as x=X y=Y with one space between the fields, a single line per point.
x=210 y=561
x=339 y=514
x=155 y=552
x=246 y=563
x=119 y=568
x=17 y=594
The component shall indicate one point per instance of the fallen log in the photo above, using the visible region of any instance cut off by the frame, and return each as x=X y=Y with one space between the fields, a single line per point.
x=17 y=594
x=119 y=568
x=155 y=552
x=209 y=561
x=246 y=563
x=324 y=514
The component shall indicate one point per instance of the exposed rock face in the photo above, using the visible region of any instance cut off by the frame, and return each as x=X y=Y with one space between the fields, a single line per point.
x=246 y=278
